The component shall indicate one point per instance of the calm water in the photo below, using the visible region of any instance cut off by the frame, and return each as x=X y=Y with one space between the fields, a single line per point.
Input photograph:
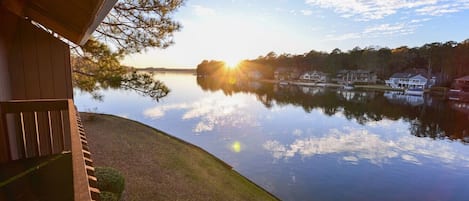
x=307 y=143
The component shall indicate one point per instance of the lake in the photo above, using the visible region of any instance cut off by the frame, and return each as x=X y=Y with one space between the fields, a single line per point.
x=313 y=143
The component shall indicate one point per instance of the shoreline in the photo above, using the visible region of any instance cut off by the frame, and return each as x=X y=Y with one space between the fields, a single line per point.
x=166 y=167
x=327 y=84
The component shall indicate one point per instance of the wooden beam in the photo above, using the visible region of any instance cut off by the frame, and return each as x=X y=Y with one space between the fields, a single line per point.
x=18 y=106
x=81 y=185
x=100 y=13
x=15 y=6
x=75 y=20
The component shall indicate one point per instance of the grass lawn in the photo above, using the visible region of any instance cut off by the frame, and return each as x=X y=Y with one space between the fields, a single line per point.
x=157 y=166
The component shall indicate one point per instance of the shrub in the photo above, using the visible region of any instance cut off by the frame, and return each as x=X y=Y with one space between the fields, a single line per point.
x=110 y=180
x=108 y=196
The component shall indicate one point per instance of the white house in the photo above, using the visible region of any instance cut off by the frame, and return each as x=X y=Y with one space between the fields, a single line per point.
x=314 y=76
x=409 y=81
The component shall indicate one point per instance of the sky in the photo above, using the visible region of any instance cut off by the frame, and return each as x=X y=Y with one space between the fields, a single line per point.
x=233 y=30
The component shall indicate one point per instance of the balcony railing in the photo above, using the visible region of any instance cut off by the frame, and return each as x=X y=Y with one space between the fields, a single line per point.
x=41 y=128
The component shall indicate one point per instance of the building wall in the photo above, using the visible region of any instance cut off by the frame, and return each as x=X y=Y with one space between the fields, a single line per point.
x=33 y=65
x=39 y=65
x=6 y=20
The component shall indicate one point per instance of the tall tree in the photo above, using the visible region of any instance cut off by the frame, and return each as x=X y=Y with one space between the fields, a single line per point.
x=131 y=26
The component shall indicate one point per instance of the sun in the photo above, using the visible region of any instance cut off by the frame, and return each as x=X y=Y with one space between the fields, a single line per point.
x=232 y=63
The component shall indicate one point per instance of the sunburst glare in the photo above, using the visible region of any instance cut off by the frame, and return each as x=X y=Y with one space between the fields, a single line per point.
x=232 y=63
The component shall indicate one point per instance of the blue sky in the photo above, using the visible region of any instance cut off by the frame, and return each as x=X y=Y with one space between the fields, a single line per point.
x=233 y=30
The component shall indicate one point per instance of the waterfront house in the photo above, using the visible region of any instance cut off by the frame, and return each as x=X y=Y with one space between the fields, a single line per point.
x=462 y=83
x=283 y=73
x=314 y=76
x=43 y=148
x=280 y=74
x=460 y=89
x=409 y=81
x=254 y=74
x=356 y=76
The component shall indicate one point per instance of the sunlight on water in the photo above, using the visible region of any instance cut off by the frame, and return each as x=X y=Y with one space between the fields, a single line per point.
x=236 y=147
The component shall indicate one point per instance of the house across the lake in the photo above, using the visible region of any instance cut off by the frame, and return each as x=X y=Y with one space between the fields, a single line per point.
x=43 y=148
x=314 y=76
x=356 y=76
x=284 y=73
x=409 y=81
x=462 y=83
x=254 y=74
x=460 y=89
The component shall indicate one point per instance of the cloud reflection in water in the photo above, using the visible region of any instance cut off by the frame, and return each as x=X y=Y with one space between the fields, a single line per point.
x=211 y=111
x=359 y=144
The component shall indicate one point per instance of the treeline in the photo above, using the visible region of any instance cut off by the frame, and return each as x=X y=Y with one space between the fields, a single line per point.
x=445 y=60
x=210 y=67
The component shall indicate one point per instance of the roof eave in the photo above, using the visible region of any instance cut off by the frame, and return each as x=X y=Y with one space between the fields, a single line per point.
x=101 y=13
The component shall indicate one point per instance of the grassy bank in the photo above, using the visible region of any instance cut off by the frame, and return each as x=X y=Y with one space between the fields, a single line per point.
x=160 y=167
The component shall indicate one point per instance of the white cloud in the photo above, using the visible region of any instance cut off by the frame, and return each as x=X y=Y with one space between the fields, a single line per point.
x=438 y=10
x=203 y=11
x=420 y=20
x=306 y=12
x=381 y=30
x=357 y=144
x=210 y=112
x=378 y=9
x=297 y=132
x=385 y=123
x=159 y=111
x=384 y=28
x=346 y=36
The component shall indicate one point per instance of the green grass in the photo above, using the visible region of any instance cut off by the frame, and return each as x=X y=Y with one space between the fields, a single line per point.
x=157 y=166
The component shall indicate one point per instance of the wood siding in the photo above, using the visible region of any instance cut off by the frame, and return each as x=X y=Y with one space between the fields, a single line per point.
x=7 y=19
x=33 y=65
x=39 y=65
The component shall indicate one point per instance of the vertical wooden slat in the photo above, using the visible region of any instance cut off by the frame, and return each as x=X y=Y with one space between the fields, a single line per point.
x=15 y=67
x=4 y=142
x=15 y=131
x=31 y=70
x=44 y=133
x=29 y=129
x=57 y=132
x=68 y=72
x=44 y=58
x=58 y=69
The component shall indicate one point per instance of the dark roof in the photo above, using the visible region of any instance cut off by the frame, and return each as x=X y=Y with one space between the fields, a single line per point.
x=401 y=75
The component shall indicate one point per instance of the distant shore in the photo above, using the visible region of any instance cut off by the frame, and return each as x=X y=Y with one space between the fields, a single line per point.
x=169 y=70
x=334 y=85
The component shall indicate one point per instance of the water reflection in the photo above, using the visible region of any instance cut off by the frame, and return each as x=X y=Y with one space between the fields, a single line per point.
x=427 y=116
x=353 y=145
x=398 y=97
x=304 y=143
x=210 y=112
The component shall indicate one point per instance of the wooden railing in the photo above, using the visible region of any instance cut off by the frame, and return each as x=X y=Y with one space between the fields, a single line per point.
x=36 y=128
